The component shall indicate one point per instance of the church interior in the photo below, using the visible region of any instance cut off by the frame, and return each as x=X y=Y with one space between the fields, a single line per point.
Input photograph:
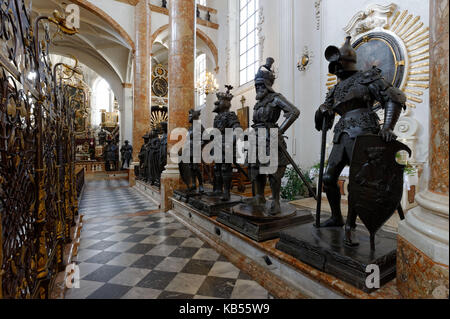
x=93 y=204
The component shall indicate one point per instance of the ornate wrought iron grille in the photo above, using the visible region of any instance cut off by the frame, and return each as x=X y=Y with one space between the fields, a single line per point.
x=38 y=200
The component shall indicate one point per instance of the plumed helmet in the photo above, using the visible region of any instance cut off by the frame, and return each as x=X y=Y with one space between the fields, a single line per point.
x=346 y=57
x=266 y=75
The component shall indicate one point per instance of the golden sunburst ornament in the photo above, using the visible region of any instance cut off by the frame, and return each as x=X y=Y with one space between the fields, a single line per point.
x=406 y=36
x=158 y=115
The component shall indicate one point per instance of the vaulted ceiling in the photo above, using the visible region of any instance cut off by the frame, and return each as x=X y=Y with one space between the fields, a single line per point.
x=98 y=44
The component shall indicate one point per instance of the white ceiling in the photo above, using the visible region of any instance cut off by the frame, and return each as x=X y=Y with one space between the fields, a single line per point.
x=97 y=45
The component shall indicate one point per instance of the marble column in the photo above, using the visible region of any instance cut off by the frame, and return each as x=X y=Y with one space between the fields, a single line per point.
x=182 y=46
x=142 y=74
x=422 y=259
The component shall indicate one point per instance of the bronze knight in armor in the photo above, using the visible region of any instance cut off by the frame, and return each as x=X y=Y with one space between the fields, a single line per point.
x=127 y=154
x=153 y=166
x=143 y=156
x=163 y=151
x=353 y=99
x=225 y=119
x=191 y=172
x=266 y=114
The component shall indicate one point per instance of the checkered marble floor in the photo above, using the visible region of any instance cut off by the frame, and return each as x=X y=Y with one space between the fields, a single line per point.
x=149 y=256
x=112 y=198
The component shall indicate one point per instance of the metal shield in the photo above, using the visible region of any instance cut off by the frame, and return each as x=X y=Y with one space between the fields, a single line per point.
x=376 y=180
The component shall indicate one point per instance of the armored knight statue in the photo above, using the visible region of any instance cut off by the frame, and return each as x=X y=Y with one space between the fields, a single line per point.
x=191 y=172
x=153 y=165
x=163 y=150
x=266 y=114
x=143 y=156
x=111 y=156
x=225 y=119
x=127 y=152
x=353 y=99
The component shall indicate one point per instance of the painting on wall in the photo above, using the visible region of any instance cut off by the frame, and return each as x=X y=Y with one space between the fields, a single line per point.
x=243 y=116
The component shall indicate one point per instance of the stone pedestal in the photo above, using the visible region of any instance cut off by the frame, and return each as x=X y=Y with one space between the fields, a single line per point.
x=422 y=269
x=182 y=26
x=152 y=192
x=132 y=175
x=324 y=249
x=256 y=223
x=207 y=205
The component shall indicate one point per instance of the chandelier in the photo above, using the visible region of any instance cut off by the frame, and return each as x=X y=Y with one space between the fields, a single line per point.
x=207 y=84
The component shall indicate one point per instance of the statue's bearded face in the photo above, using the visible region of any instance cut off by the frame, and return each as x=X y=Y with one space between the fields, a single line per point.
x=261 y=91
x=222 y=106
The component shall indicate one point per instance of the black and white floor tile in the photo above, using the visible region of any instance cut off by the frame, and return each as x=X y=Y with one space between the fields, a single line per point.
x=112 y=198
x=148 y=257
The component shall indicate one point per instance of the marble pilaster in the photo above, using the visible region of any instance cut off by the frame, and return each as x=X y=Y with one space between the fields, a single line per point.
x=182 y=46
x=142 y=76
x=422 y=258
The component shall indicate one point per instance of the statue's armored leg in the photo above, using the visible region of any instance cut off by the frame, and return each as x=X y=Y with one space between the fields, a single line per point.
x=192 y=170
x=337 y=163
x=350 y=229
x=198 y=175
x=260 y=183
x=275 y=185
x=218 y=181
x=227 y=175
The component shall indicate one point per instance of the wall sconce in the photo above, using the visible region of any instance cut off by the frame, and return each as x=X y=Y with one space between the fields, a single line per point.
x=305 y=60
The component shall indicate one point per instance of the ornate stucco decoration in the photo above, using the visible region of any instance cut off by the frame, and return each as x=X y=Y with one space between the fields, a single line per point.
x=317 y=6
x=261 y=37
x=374 y=16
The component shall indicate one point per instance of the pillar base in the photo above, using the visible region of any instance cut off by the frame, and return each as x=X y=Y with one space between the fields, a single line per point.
x=131 y=175
x=170 y=181
x=422 y=257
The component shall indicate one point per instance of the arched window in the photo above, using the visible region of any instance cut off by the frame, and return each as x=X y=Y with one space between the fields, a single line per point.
x=200 y=73
x=102 y=100
x=248 y=44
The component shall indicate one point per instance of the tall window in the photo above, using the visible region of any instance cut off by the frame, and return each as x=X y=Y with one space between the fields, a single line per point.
x=248 y=45
x=102 y=100
x=201 y=76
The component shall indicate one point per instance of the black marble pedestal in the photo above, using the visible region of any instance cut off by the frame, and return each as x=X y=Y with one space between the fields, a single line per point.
x=256 y=223
x=324 y=249
x=206 y=204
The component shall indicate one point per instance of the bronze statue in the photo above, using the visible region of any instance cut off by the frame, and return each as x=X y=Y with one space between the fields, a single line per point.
x=225 y=119
x=163 y=150
x=191 y=172
x=353 y=99
x=266 y=114
x=153 y=166
x=111 y=156
x=143 y=158
x=127 y=154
